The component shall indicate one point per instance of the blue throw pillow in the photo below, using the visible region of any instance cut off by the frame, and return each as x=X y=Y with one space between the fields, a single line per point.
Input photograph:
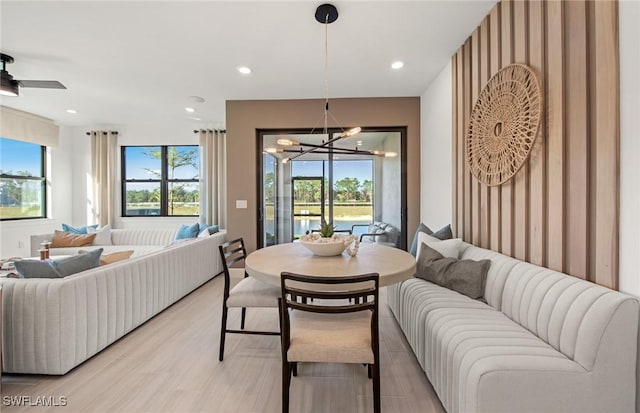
x=414 y=244
x=78 y=263
x=188 y=231
x=36 y=269
x=212 y=228
x=81 y=230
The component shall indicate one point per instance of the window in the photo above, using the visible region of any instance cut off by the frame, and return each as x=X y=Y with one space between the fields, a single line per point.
x=160 y=181
x=22 y=180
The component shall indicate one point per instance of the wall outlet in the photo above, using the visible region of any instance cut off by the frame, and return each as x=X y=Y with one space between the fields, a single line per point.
x=241 y=203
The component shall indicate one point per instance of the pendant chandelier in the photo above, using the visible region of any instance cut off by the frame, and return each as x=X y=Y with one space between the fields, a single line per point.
x=325 y=14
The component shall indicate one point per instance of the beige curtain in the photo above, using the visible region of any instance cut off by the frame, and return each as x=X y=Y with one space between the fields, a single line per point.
x=104 y=147
x=213 y=189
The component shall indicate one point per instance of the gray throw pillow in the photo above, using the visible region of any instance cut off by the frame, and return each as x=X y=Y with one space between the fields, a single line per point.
x=442 y=234
x=78 y=263
x=464 y=276
x=36 y=269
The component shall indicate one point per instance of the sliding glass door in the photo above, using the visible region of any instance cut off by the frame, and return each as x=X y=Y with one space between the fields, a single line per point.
x=348 y=182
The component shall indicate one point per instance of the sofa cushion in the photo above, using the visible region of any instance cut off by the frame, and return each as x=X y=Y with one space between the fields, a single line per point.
x=464 y=276
x=77 y=263
x=79 y=230
x=188 y=231
x=448 y=248
x=103 y=235
x=106 y=259
x=212 y=228
x=36 y=269
x=67 y=239
x=441 y=234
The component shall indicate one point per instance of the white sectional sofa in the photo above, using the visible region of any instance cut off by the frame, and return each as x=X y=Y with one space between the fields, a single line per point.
x=53 y=325
x=543 y=342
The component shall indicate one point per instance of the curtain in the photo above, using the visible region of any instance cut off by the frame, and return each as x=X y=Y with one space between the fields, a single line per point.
x=213 y=190
x=104 y=147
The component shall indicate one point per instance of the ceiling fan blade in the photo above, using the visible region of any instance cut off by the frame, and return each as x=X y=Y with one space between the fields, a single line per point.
x=46 y=84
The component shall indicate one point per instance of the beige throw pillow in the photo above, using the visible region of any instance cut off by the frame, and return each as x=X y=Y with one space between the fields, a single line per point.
x=113 y=257
x=65 y=239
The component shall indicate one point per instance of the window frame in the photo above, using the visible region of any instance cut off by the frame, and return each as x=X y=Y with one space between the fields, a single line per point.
x=164 y=181
x=42 y=178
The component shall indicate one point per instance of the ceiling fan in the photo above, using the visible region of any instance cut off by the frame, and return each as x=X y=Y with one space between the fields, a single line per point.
x=9 y=86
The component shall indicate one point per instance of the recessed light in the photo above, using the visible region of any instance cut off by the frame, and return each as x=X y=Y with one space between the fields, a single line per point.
x=72 y=111
x=244 y=70
x=397 y=65
x=190 y=110
x=194 y=118
x=196 y=99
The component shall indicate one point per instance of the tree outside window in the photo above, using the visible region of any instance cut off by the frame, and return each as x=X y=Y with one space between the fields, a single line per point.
x=161 y=181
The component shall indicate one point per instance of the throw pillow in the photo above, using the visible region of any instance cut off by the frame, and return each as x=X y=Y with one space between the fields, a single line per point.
x=204 y=234
x=67 y=239
x=36 y=269
x=442 y=234
x=414 y=244
x=464 y=276
x=188 y=231
x=212 y=228
x=81 y=230
x=115 y=257
x=103 y=235
x=77 y=263
x=448 y=248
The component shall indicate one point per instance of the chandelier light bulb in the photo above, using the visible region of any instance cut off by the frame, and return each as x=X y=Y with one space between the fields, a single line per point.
x=349 y=133
x=285 y=160
x=287 y=142
x=390 y=154
x=273 y=150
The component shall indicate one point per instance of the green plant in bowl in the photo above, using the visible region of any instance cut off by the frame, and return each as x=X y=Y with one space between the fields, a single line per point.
x=326 y=229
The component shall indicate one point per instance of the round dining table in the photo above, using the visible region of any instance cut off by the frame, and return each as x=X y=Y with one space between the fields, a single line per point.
x=392 y=264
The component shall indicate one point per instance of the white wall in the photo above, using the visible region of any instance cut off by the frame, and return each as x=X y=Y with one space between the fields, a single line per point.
x=15 y=235
x=435 y=152
x=629 y=147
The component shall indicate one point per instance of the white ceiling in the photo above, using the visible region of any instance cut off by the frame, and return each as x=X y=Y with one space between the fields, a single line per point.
x=127 y=62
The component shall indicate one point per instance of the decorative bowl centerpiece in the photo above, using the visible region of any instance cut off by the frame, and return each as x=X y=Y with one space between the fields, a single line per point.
x=327 y=244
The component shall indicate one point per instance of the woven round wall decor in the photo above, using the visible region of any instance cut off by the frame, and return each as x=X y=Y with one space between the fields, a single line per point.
x=504 y=124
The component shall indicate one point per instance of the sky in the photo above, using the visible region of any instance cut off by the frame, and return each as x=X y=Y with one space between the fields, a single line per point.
x=19 y=156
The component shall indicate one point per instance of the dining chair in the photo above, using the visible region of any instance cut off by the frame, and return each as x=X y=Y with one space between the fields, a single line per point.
x=248 y=292
x=319 y=323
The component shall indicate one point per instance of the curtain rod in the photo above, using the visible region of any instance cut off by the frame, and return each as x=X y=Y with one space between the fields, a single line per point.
x=115 y=132
x=210 y=130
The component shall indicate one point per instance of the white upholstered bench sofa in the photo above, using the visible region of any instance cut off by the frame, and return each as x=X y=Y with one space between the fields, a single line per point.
x=53 y=325
x=543 y=342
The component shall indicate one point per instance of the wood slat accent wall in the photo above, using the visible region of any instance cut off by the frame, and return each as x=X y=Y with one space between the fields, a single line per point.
x=561 y=209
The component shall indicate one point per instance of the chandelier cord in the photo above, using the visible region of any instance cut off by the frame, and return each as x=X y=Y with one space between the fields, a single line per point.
x=326 y=72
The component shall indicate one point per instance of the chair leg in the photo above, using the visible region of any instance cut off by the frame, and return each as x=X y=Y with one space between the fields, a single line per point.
x=244 y=314
x=286 y=382
x=223 y=331
x=294 y=369
x=376 y=387
x=369 y=371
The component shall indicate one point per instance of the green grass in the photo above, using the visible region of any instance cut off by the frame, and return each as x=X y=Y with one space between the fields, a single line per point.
x=8 y=212
x=339 y=211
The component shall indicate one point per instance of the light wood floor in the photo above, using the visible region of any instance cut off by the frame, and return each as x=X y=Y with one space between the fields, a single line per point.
x=170 y=364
